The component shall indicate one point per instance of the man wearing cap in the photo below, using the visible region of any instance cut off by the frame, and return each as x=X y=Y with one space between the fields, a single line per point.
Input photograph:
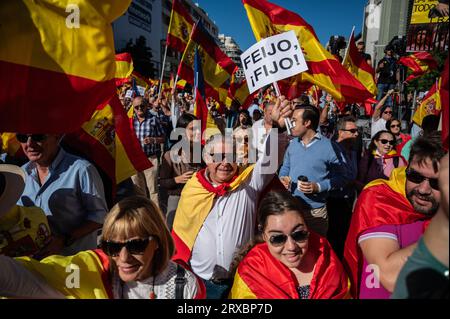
x=68 y=189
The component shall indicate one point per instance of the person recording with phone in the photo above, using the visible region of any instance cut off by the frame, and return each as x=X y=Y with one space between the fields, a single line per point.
x=388 y=74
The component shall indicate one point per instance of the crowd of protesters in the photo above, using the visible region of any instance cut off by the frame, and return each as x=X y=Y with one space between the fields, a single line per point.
x=250 y=210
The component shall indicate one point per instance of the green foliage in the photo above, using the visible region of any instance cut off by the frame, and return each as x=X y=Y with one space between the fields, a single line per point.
x=425 y=82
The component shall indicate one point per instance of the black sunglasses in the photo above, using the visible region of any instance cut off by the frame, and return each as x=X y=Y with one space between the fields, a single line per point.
x=353 y=130
x=134 y=246
x=417 y=178
x=23 y=138
x=387 y=112
x=395 y=125
x=140 y=107
x=383 y=141
x=298 y=236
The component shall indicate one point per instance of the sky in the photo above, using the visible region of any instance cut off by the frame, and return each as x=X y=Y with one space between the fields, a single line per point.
x=327 y=17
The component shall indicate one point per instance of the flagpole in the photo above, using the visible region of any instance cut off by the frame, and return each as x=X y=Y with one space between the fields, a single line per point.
x=162 y=73
x=348 y=46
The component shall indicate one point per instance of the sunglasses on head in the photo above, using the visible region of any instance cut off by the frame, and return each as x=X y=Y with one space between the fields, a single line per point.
x=417 y=178
x=391 y=142
x=134 y=246
x=298 y=236
x=23 y=138
x=353 y=130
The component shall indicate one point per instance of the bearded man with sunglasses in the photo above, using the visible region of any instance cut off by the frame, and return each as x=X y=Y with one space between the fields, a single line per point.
x=68 y=189
x=389 y=218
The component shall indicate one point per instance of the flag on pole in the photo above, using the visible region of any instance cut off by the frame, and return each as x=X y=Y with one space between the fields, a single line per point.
x=124 y=68
x=217 y=67
x=108 y=141
x=180 y=27
x=324 y=70
x=56 y=62
x=419 y=63
x=431 y=103
x=356 y=64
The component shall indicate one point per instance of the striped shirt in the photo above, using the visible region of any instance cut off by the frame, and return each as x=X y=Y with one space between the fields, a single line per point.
x=150 y=127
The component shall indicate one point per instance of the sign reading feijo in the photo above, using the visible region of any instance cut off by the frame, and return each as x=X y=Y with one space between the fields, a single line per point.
x=273 y=59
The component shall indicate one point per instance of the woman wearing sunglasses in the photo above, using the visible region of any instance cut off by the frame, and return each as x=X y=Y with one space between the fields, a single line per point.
x=395 y=127
x=133 y=263
x=286 y=261
x=379 y=160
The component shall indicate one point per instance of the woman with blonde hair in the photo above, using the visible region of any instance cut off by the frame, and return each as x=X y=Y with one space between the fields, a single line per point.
x=133 y=263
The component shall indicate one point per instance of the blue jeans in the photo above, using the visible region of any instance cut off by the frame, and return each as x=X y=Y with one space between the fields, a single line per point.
x=382 y=90
x=215 y=291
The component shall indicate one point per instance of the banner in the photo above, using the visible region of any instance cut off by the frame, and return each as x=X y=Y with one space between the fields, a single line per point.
x=272 y=59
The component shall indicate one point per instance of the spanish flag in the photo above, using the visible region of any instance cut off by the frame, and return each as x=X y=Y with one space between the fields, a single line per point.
x=358 y=67
x=108 y=141
x=141 y=80
x=124 y=68
x=180 y=27
x=445 y=105
x=10 y=145
x=239 y=92
x=56 y=62
x=431 y=103
x=262 y=276
x=371 y=211
x=267 y=19
x=419 y=63
x=217 y=66
x=181 y=84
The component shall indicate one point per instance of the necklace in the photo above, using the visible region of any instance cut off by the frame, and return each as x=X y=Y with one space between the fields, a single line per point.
x=151 y=295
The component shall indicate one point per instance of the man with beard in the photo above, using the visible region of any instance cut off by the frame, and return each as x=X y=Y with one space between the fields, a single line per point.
x=389 y=218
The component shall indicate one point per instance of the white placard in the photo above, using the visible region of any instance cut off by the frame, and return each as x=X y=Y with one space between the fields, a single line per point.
x=141 y=90
x=273 y=59
x=129 y=94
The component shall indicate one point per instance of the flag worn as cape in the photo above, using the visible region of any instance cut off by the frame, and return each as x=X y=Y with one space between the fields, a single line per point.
x=419 y=63
x=53 y=72
x=324 y=70
x=124 y=68
x=382 y=202
x=197 y=199
x=108 y=141
x=180 y=27
x=262 y=276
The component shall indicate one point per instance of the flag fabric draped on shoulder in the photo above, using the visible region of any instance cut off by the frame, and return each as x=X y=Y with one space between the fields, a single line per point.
x=419 y=63
x=382 y=202
x=356 y=64
x=108 y=141
x=124 y=68
x=55 y=72
x=262 y=276
x=217 y=66
x=324 y=70
x=180 y=27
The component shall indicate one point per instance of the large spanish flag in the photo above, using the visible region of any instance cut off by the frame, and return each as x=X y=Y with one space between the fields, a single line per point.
x=382 y=202
x=217 y=66
x=431 y=103
x=108 y=141
x=53 y=72
x=419 y=63
x=267 y=19
x=124 y=68
x=358 y=67
x=180 y=27
x=262 y=276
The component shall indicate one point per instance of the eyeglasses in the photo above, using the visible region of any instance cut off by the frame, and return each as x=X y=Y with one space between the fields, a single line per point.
x=134 y=246
x=417 y=178
x=140 y=107
x=23 y=138
x=353 y=130
x=219 y=157
x=387 y=112
x=384 y=142
x=395 y=125
x=298 y=236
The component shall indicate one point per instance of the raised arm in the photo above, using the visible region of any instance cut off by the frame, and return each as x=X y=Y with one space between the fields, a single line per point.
x=377 y=111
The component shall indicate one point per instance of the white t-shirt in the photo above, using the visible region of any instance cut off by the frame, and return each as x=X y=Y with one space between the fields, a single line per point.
x=378 y=125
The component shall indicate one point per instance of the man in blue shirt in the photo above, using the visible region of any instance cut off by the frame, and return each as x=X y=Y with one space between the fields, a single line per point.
x=150 y=133
x=68 y=189
x=315 y=157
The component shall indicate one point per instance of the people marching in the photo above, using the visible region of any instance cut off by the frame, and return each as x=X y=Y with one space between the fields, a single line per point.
x=285 y=193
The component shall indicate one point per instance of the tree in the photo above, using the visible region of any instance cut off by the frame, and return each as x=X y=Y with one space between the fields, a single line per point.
x=142 y=56
x=425 y=82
